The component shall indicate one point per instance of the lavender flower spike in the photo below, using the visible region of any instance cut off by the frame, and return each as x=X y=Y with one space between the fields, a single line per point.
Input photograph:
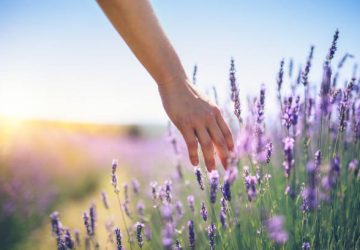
x=333 y=47
x=87 y=224
x=69 y=243
x=203 y=211
x=139 y=227
x=191 y=234
x=214 y=183
x=105 y=199
x=199 y=177
x=92 y=213
x=191 y=202
x=212 y=235
x=275 y=229
x=234 y=91
x=305 y=74
x=118 y=238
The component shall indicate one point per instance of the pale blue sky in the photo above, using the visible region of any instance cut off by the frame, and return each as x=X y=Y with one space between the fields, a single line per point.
x=63 y=59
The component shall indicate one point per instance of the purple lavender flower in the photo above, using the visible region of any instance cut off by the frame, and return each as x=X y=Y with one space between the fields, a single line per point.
x=167 y=235
x=250 y=184
x=199 y=177
x=87 y=224
x=139 y=226
x=118 y=238
x=288 y=152
x=153 y=186
x=126 y=209
x=318 y=158
x=305 y=246
x=191 y=202
x=56 y=224
x=223 y=204
x=226 y=189
x=309 y=199
x=333 y=47
x=305 y=74
x=148 y=234
x=345 y=106
x=212 y=235
x=114 y=165
x=179 y=209
x=280 y=76
x=140 y=208
x=114 y=183
x=126 y=193
x=325 y=89
x=92 y=213
x=354 y=166
x=105 y=199
x=275 y=229
x=260 y=104
x=330 y=180
x=203 y=211
x=166 y=212
x=234 y=91
x=168 y=185
x=214 y=183
x=191 y=234
x=69 y=243
x=135 y=185
x=291 y=67
x=222 y=217
x=269 y=148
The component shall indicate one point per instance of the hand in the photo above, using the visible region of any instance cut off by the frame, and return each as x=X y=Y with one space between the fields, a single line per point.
x=199 y=120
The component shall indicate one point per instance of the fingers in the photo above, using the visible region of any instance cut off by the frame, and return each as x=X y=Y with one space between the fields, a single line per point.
x=192 y=145
x=219 y=142
x=225 y=130
x=206 y=147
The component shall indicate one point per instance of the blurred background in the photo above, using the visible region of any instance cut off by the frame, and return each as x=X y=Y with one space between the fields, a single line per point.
x=72 y=93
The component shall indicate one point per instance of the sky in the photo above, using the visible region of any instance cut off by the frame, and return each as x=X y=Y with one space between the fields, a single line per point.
x=62 y=60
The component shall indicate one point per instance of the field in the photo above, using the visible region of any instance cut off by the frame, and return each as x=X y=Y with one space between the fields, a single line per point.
x=293 y=184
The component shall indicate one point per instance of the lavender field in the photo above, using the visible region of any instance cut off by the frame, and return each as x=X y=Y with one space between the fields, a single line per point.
x=290 y=184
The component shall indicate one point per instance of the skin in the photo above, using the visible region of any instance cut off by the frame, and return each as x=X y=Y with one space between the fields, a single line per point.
x=197 y=118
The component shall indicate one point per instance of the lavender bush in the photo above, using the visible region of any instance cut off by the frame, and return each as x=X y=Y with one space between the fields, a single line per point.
x=299 y=187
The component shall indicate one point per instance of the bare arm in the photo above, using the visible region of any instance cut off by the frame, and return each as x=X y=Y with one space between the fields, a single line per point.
x=197 y=118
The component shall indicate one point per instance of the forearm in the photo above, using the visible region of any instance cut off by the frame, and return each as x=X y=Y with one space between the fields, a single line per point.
x=139 y=27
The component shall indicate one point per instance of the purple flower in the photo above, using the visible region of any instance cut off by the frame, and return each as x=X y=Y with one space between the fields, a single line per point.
x=87 y=224
x=250 y=184
x=345 y=106
x=92 y=213
x=191 y=202
x=226 y=189
x=126 y=209
x=178 y=245
x=114 y=183
x=126 y=193
x=234 y=91
x=280 y=76
x=199 y=177
x=118 y=238
x=318 y=158
x=260 y=104
x=69 y=243
x=333 y=47
x=77 y=237
x=105 y=199
x=214 y=183
x=325 y=89
x=309 y=199
x=179 y=209
x=212 y=235
x=353 y=166
x=148 y=234
x=140 y=208
x=168 y=185
x=56 y=224
x=274 y=227
x=330 y=180
x=222 y=217
x=139 y=226
x=191 y=234
x=114 y=165
x=166 y=212
x=288 y=153
x=305 y=246
x=153 y=186
x=167 y=235
x=269 y=148
x=135 y=185
x=203 y=211
x=305 y=74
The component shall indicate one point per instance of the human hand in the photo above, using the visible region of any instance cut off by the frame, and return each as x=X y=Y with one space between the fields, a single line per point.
x=198 y=120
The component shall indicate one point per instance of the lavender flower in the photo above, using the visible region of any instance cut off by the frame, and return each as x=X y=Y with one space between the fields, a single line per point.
x=92 y=213
x=179 y=209
x=288 y=152
x=318 y=158
x=148 y=234
x=126 y=193
x=135 y=185
x=139 y=227
x=222 y=217
x=305 y=246
x=275 y=229
x=226 y=189
x=333 y=47
x=309 y=199
x=280 y=76
x=69 y=243
x=167 y=234
x=168 y=189
x=269 y=148
x=234 y=91
x=191 y=234
x=250 y=184
x=345 y=106
x=166 y=212
x=305 y=74
x=114 y=165
x=105 y=199
x=203 y=211
x=114 y=183
x=87 y=224
x=191 y=202
x=140 y=208
x=330 y=180
x=354 y=166
x=153 y=186
x=55 y=224
x=199 y=177
x=126 y=209
x=223 y=204
x=212 y=235
x=214 y=183
x=118 y=238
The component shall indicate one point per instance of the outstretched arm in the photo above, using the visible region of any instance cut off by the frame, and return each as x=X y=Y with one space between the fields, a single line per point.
x=197 y=118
